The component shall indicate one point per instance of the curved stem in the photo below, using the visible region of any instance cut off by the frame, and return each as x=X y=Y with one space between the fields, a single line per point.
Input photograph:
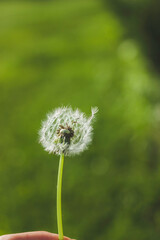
x=59 y=191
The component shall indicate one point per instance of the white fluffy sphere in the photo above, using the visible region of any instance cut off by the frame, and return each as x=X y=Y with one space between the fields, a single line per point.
x=67 y=131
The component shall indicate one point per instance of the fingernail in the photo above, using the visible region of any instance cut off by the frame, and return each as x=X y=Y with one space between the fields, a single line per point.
x=2 y=237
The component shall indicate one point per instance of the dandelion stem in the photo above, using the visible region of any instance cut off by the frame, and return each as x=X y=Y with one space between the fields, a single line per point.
x=59 y=191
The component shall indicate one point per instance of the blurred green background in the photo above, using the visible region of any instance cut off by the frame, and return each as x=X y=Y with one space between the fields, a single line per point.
x=81 y=53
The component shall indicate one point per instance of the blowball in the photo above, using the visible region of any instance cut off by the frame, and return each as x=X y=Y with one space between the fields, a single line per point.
x=67 y=131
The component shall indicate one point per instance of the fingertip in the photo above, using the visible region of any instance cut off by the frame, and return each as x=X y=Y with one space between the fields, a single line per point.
x=40 y=235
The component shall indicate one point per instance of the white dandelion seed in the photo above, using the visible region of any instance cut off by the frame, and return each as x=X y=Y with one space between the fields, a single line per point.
x=67 y=131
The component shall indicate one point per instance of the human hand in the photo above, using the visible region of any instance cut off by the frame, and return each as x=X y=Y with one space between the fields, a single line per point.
x=38 y=235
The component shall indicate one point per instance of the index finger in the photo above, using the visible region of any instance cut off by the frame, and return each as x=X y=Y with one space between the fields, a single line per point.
x=38 y=235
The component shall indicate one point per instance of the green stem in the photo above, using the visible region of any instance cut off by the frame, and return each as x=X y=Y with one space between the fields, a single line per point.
x=59 y=190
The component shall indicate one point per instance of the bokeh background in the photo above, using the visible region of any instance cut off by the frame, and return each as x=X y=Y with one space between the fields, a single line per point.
x=81 y=53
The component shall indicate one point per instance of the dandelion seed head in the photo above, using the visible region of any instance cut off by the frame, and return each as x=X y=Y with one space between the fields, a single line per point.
x=67 y=131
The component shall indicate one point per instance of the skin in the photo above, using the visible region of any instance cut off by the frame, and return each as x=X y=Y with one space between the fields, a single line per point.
x=39 y=235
